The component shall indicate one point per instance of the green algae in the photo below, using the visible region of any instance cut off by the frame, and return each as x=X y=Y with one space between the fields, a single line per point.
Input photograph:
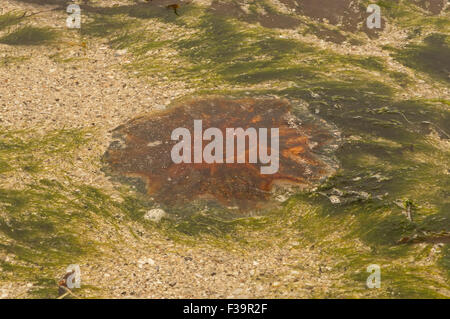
x=20 y=151
x=430 y=56
x=29 y=35
x=104 y=25
x=43 y=221
x=10 y=18
x=12 y=60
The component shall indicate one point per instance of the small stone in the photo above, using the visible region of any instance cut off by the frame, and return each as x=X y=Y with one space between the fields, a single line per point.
x=364 y=195
x=337 y=192
x=282 y=198
x=145 y=261
x=237 y=291
x=155 y=143
x=120 y=52
x=155 y=215
x=334 y=199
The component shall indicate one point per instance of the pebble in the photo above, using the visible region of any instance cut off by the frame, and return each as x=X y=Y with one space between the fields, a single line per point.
x=155 y=215
x=120 y=52
x=334 y=199
x=145 y=261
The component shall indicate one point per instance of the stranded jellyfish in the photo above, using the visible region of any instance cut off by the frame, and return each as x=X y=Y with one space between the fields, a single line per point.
x=236 y=152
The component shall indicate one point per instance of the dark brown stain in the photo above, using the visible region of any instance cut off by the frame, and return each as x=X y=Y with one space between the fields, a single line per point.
x=346 y=13
x=334 y=36
x=143 y=150
x=268 y=20
x=168 y=3
x=433 y=6
x=349 y=15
